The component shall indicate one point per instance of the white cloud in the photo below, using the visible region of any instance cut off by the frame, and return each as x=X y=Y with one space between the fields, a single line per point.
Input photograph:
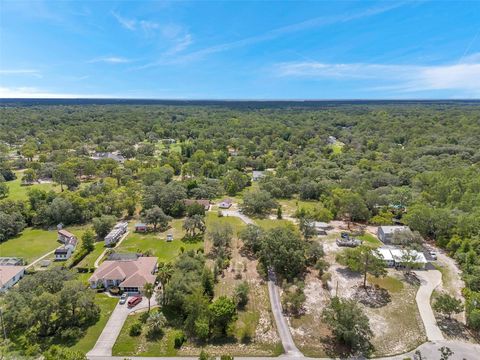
x=27 y=72
x=129 y=24
x=402 y=78
x=111 y=60
x=33 y=92
x=273 y=34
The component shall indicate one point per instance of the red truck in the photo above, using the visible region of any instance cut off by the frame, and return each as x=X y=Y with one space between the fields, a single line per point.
x=134 y=301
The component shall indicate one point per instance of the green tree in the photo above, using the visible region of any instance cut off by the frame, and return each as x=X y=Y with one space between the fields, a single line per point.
x=258 y=202
x=363 y=260
x=57 y=352
x=88 y=240
x=446 y=304
x=194 y=223
x=156 y=321
x=251 y=236
x=156 y=217
x=103 y=224
x=29 y=176
x=348 y=323
x=148 y=291
x=223 y=311
x=241 y=294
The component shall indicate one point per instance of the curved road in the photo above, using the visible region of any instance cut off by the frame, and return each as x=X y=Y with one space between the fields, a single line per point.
x=429 y=280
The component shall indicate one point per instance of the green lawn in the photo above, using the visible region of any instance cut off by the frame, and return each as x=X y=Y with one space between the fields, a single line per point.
x=370 y=239
x=389 y=283
x=89 y=260
x=165 y=251
x=290 y=206
x=268 y=224
x=33 y=243
x=106 y=304
x=19 y=192
x=212 y=220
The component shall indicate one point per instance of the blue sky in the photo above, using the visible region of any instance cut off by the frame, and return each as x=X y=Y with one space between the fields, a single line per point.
x=240 y=50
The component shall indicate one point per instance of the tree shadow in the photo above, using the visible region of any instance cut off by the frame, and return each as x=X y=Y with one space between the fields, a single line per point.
x=345 y=272
x=337 y=350
x=453 y=327
x=411 y=278
x=372 y=296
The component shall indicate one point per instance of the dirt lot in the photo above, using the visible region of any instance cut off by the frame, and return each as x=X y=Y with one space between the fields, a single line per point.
x=395 y=320
x=255 y=328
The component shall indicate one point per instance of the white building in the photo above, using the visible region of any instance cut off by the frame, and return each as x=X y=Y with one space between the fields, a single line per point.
x=386 y=256
x=116 y=233
x=395 y=257
x=385 y=233
x=10 y=275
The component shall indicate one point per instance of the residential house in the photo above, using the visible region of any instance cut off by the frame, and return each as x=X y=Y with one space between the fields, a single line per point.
x=65 y=236
x=204 y=202
x=386 y=256
x=11 y=261
x=117 y=232
x=10 y=275
x=385 y=233
x=225 y=204
x=258 y=175
x=69 y=242
x=108 y=155
x=141 y=227
x=129 y=275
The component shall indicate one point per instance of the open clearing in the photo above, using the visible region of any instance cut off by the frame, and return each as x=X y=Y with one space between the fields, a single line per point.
x=19 y=191
x=156 y=243
x=106 y=304
x=33 y=243
x=396 y=324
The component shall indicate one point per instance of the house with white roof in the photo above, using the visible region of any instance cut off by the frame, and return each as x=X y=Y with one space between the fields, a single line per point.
x=385 y=233
x=386 y=256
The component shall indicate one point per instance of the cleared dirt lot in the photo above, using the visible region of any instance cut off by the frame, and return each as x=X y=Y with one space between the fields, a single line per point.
x=396 y=322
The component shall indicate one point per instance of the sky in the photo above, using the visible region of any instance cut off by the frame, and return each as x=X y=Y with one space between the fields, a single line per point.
x=240 y=49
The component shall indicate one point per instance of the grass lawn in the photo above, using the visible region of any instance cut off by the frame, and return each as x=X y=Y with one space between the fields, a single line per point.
x=89 y=260
x=268 y=224
x=290 y=206
x=19 y=192
x=33 y=243
x=389 y=283
x=155 y=242
x=106 y=304
x=370 y=240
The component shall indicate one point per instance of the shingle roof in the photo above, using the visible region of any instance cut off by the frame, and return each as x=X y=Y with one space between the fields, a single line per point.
x=65 y=233
x=8 y=272
x=132 y=273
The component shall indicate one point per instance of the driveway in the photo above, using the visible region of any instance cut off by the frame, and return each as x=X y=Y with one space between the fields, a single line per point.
x=105 y=342
x=282 y=325
x=429 y=280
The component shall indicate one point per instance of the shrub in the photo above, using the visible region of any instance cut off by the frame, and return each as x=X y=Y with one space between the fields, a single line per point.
x=135 y=329
x=179 y=340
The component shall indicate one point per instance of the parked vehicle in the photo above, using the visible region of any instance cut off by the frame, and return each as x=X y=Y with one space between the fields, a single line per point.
x=123 y=299
x=433 y=254
x=169 y=237
x=135 y=300
x=344 y=235
x=350 y=242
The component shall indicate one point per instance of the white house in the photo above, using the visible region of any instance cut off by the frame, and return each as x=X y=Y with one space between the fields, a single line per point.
x=116 y=233
x=225 y=204
x=10 y=275
x=258 y=175
x=62 y=253
x=414 y=258
x=386 y=256
x=69 y=245
x=385 y=233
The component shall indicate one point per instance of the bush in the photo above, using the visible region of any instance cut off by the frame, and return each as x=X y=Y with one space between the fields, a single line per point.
x=179 y=340
x=77 y=257
x=135 y=329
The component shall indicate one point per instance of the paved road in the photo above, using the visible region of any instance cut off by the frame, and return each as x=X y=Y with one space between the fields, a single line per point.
x=429 y=280
x=97 y=262
x=282 y=325
x=40 y=259
x=105 y=342
x=429 y=350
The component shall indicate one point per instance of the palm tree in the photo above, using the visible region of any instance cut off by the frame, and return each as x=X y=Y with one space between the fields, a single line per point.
x=164 y=274
x=148 y=290
x=156 y=321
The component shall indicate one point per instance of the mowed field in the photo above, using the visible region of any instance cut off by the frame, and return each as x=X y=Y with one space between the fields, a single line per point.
x=33 y=243
x=19 y=191
x=157 y=244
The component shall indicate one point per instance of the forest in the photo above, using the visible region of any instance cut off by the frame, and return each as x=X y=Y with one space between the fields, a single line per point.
x=382 y=163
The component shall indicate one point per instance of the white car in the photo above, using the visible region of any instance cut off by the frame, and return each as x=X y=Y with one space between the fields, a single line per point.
x=433 y=254
x=123 y=299
x=169 y=237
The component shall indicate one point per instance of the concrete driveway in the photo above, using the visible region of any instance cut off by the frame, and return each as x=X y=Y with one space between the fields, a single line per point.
x=108 y=337
x=429 y=280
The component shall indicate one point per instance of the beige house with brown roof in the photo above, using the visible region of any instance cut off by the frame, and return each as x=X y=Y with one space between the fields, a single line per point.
x=129 y=275
x=10 y=275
